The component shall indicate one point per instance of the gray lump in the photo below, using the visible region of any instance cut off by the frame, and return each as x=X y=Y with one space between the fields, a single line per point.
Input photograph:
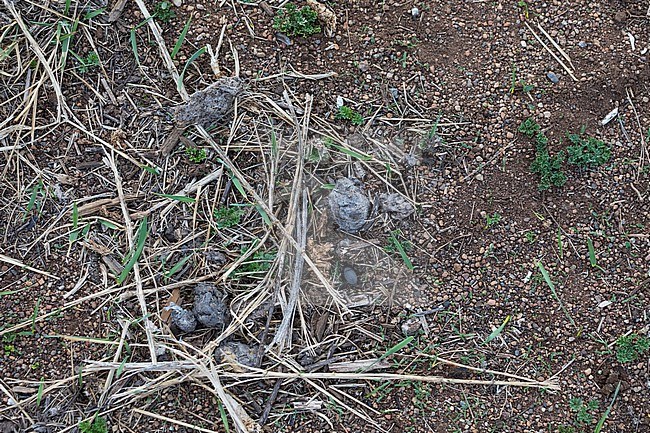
x=183 y=319
x=241 y=353
x=209 y=306
x=396 y=205
x=212 y=104
x=349 y=205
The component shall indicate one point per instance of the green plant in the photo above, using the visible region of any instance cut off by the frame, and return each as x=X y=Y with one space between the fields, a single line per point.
x=531 y=237
x=587 y=152
x=195 y=154
x=524 y=7
x=163 y=11
x=8 y=346
x=518 y=84
x=347 y=113
x=293 y=21
x=88 y=62
x=400 y=247
x=491 y=220
x=630 y=347
x=98 y=425
x=582 y=410
x=227 y=216
x=548 y=167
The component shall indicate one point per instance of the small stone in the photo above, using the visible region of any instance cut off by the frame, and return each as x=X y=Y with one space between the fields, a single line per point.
x=415 y=12
x=620 y=16
x=582 y=44
x=479 y=177
x=350 y=276
x=491 y=302
x=510 y=135
x=363 y=66
x=457 y=267
x=587 y=371
x=554 y=78
x=547 y=114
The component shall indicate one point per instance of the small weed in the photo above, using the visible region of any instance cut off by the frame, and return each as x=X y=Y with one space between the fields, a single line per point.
x=163 y=11
x=548 y=167
x=8 y=343
x=566 y=429
x=582 y=410
x=518 y=84
x=631 y=347
x=88 y=62
x=259 y=263
x=293 y=21
x=587 y=152
x=227 y=216
x=524 y=7
x=491 y=220
x=530 y=237
x=347 y=113
x=395 y=245
x=98 y=425
x=196 y=154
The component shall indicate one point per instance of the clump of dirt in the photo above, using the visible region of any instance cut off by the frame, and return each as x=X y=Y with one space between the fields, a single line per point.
x=396 y=206
x=183 y=319
x=212 y=104
x=209 y=306
x=235 y=353
x=349 y=205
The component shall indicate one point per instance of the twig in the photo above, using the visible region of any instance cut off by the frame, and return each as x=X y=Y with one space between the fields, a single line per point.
x=551 y=52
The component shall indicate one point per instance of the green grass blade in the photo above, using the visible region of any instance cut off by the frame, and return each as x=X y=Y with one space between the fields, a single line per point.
x=560 y=246
x=181 y=198
x=224 y=417
x=497 y=331
x=264 y=215
x=602 y=420
x=92 y=14
x=39 y=394
x=120 y=369
x=134 y=45
x=550 y=284
x=592 y=253
x=189 y=62
x=181 y=38
x=396 y=348
x=133 y=258
x=177 y=267
x=357 y=155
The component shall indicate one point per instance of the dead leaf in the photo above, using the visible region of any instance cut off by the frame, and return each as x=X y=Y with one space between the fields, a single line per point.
x=325 y=15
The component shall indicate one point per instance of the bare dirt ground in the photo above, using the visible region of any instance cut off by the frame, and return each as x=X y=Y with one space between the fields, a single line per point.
x=494 y=306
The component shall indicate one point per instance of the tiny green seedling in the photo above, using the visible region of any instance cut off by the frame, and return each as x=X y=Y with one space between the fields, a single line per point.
x=352 y=116
x=163 y=11
x=196 y=154
x=87 y=63
x=491 y=220
x=629 y=348
x=227 y=216
x=98 y=425
x=582 y=410
x=587 y=152
x=296 y=22
x=396 y=245
x=548 y=167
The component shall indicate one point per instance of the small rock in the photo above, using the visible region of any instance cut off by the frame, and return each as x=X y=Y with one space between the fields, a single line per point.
x=183 y=319
x=396 y=205
x=510 y=135
x=479 y=177
x=458 y=267
x=491 y=302
x=363 y=66
x=209 y=307
x=554 y=78
x=587 y=371
x=349 y=205
x=283 y=39
x=415 y=13
x=215 y=257
x=235 y=354
x=350 y=276
x=620 y=16
x=582 y=44
x=547 y=114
